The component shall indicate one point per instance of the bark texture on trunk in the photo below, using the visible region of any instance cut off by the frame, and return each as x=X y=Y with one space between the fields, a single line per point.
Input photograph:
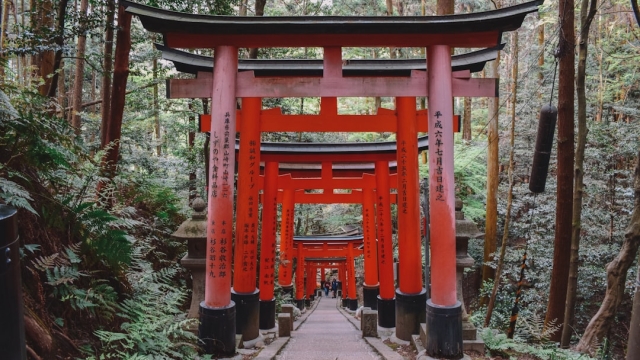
x=507 y=220
x=633 y=344
x=564 y=196
x=120 y=75
x=105 y=109
x=491 y=217
x=616 y=277
x=79 y=75
x=466 y=120
x=587 y=12
x=57 y=60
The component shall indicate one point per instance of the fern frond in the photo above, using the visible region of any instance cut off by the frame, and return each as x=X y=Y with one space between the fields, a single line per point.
x=44 y=263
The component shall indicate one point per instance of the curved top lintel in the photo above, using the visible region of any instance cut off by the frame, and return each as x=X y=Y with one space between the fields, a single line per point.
x=481 y=29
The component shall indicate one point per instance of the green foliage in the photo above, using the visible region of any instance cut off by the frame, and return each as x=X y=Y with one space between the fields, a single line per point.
x=470 y=169
x=498 y=344
x=154 y=324
x=71 y=284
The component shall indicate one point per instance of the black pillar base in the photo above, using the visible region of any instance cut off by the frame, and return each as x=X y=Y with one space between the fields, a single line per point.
x=217 y=329
x=444 y=330
x=370 y=296
x=247 y=314
x=12 y=335
x=410 y=312
x=300 y=304
x=345 y=302
x=386 y=312
x=312 y=297
x=353 y=304
x=307 y=302
x=267 y=314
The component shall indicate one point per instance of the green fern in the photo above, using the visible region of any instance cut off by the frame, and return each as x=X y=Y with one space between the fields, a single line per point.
x=154 y=322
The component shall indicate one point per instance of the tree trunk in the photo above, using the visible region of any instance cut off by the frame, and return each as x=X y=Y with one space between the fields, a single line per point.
x=57 y=59
x=156 y=110
x=44 y=60
x=4 y=19
x=120 y=75
x=61 y=90
x=466 y=120
x=105 y=109
x=507 y=220
x=564 y=196
x=616 y=277
x=491 y=217
x=79 y=75
x=587 y=12
x=259 y=11
x=633 y=344
x=445 y=7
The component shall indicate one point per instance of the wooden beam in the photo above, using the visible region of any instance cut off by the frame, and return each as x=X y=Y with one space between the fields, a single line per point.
x=197 y=41
x=251 y=86
x=272 y=120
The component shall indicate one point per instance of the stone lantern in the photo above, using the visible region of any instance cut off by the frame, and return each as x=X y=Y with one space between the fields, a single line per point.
x=194 y=231
x=465 y=230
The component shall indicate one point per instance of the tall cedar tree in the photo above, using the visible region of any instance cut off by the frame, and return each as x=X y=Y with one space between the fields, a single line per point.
x=564 y=196
x=105 y=110
x=120 y=75
x=587 y=12
x=491 y=216
x=79 y=76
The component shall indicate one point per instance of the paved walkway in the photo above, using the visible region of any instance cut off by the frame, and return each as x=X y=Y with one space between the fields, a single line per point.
x=327 y=335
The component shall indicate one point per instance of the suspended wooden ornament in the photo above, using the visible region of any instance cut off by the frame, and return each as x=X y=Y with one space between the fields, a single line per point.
x=544 y=143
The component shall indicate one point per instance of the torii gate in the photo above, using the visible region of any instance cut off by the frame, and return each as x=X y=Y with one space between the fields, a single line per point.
x=338 y=153
x=330 y=247
x=335 y=170
x=439 y=35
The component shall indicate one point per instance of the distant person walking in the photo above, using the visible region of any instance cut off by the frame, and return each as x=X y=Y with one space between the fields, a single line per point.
x=334 y=287
x=326 y=288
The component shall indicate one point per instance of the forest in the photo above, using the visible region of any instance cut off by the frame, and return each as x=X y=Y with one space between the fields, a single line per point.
x=103 y=167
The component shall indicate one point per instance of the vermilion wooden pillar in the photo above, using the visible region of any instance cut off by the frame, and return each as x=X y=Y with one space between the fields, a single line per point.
x=311 y=282
x=268 y=246
x=299 y=278
x=244 y=292
x=217 y=327
x=342 y=283
x=411 y=296
x=351 y=274
x=344 y=271
x=285 y=270
x=386 y=299
x=444 y=312
x=371 y=285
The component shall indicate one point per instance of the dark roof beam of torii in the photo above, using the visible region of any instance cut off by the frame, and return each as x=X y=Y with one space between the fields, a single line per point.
x=481 y=29
x=189 y=63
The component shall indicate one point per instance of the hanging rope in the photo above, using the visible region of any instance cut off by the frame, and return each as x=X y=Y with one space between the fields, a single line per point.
x=516 y=309
x=553 y=83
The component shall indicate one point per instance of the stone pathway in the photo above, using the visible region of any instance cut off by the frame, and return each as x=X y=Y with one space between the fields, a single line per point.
x=327 y=335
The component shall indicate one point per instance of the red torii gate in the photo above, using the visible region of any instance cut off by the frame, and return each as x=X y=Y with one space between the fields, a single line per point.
x=318 y=247
x=439 y=35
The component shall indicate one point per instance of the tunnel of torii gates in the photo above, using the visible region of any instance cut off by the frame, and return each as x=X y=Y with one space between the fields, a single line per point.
x=439 y=34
